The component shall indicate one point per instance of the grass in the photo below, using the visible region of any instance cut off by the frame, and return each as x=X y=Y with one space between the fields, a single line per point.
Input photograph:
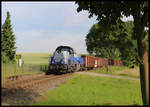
x=92 y=90
x=118 y=70
x=12 y=70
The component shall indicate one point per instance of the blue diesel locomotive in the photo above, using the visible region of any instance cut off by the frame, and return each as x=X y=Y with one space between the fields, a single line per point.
x=65 y=60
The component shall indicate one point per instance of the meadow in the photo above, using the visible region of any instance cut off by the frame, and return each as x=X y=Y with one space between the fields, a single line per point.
x=35 y=58
x=118 y=70
x=93 y=90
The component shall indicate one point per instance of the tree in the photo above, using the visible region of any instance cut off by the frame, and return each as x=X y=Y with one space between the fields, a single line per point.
x=147 y=43
x=98 y=43
x=8 y=41
x=127 y=45
x=111 y=44
x=110 y=12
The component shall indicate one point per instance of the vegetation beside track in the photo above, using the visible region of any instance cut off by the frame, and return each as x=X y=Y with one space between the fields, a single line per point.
x=118 y=70
x=13 y=69
x=92 y=90
x=33 y=63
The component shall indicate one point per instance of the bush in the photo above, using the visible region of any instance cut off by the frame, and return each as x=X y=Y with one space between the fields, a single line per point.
x=5 y=59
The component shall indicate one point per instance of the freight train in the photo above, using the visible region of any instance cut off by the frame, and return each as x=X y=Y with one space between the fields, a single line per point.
x=65 y=60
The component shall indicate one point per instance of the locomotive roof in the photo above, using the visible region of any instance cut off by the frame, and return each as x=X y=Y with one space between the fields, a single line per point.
x=61 y=47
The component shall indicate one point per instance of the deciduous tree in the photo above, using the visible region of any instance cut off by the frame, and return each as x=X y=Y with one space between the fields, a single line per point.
x=111 y=44
x=109 y=12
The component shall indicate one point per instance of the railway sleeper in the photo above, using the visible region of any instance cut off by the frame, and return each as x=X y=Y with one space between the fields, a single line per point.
x=35 y=83
x=31 y=82
x=13 y=83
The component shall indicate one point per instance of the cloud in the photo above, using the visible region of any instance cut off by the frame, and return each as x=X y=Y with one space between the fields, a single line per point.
x=72 y=18
x=47 y=41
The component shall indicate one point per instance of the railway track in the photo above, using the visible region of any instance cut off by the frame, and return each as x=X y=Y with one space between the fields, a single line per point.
x=30 y=82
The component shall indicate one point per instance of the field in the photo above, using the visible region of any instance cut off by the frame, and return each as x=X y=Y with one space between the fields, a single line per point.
x=82 y=89
x=92 y=90
x=35 y=58
x=32 y=62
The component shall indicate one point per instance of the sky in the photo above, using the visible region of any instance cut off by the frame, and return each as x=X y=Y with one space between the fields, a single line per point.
x=43 y=26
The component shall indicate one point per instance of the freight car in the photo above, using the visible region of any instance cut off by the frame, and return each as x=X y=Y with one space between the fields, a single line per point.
x=65 y=60
x=89 y=62
x=114 y=62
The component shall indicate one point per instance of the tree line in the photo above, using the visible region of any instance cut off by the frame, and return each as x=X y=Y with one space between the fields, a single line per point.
x=115 y=43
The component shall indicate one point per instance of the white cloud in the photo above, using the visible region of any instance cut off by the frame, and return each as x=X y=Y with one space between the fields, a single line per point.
x=25 y=11
x=71 y=17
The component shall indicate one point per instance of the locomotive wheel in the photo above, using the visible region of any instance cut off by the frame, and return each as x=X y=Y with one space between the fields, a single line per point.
x=47 y=73
x=69 y=70
x=72 y=69
x=77 y=67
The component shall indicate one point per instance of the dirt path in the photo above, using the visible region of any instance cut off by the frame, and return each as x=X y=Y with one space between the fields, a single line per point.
x=105 y=75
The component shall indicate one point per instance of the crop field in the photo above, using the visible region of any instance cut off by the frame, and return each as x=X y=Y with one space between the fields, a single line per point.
x=92 y=90
x=35 y=58
x=32 y=62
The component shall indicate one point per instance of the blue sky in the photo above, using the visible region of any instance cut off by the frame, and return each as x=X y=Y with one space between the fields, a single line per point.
x=42 y=26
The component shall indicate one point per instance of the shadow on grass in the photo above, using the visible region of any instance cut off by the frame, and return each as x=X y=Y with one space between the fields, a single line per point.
x=18 y=96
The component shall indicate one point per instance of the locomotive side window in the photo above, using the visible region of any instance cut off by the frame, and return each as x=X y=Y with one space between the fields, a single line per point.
x=58 y=51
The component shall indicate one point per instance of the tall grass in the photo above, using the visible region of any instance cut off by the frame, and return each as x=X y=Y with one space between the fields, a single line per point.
x=93 y=90
x=14 y=69
x=118 y=70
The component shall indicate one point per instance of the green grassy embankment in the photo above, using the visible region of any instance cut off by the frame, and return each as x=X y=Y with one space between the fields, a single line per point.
x=118 y=70
x=92 y=90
